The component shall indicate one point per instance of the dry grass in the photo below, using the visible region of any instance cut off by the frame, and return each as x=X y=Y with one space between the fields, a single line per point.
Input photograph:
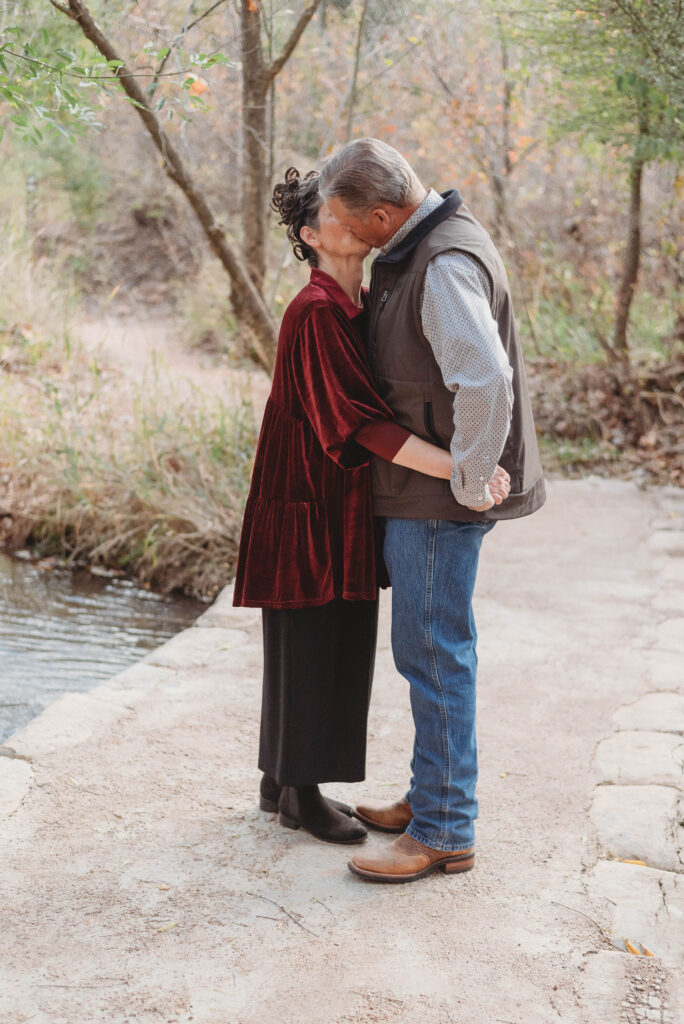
x=138 y=480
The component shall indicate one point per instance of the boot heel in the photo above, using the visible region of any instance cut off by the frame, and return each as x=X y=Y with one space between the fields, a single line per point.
x=270 y=806
x=453 y=867
x=287 y=822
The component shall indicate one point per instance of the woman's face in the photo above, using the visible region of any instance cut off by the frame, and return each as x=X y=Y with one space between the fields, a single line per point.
x=334 y=239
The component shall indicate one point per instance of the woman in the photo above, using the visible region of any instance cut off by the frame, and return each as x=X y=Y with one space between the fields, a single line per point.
x=307 y=553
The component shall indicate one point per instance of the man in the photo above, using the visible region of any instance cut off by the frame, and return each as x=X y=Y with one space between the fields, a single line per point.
x=447 y=359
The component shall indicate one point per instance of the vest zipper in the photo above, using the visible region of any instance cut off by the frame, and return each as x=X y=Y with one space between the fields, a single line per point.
x=374 y=319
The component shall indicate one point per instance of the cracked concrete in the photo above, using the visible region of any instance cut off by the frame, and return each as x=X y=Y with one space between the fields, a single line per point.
x=640 y=822
x=16 y=776
x=638 y=807
x=141 y=884
x=639 y=756
x=660 y=710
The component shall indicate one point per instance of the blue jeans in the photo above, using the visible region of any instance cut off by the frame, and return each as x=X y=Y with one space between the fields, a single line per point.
x=432 y=565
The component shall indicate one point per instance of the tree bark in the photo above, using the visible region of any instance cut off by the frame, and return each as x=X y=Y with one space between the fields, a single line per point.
x=254 y=143
x=258 y=78
x=355 y=74
x=630 y=266
x=502 y=171
x=245 y=297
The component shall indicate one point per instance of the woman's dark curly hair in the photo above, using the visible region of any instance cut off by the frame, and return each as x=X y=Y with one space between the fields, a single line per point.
x=297 y=201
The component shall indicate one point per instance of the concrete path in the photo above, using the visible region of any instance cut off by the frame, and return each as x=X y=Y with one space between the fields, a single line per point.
x=140 y=883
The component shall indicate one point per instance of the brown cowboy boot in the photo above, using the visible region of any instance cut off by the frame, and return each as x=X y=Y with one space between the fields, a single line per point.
x=385 y=817
x=405 y=859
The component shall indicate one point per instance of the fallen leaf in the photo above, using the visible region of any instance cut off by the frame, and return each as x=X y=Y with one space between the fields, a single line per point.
x=168 y=927
x=641 y=863
x=164 y=886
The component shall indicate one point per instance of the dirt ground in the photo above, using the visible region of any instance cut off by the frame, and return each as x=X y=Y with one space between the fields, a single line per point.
x=152 y=350
x=141 y=884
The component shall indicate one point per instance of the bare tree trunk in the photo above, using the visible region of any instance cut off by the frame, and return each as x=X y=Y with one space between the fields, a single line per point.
x=254 y=143
x=247 y=301
x=630 y=267
x=271 y=133
x=355 y=74
x=258 y=83
x=498 y=180
x=678 y=332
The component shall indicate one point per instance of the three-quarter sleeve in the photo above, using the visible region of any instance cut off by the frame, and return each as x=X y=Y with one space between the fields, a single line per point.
x=383 y=438
x=335 y=386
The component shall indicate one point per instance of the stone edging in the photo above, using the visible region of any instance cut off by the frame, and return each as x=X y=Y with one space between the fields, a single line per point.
x=638 y=806
x=75 y=717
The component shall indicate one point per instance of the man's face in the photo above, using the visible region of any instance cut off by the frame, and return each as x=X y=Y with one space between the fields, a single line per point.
x=374 y=228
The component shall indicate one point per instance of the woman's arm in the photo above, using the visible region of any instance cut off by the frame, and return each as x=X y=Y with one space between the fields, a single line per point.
x=425 y=457
x=393 y=443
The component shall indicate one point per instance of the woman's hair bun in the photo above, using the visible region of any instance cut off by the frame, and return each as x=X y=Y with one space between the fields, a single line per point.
x=296 y=201
x=287 y=199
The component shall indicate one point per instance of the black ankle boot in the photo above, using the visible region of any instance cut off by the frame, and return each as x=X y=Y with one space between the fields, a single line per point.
x=305 y=807
x=269 y=795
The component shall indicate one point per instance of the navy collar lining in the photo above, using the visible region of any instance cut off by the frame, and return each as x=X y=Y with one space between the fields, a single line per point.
x=452 y=201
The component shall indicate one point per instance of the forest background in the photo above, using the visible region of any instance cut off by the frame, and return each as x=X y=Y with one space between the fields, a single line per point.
x=140 y=143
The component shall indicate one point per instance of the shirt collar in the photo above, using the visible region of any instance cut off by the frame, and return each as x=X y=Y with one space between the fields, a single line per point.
x=431 y=202
x=335 y=291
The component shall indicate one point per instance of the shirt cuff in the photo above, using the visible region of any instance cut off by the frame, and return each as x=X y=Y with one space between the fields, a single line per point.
x=472 y=495
x=383 y=438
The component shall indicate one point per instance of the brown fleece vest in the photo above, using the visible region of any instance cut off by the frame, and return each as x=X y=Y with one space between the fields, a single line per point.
x=410 y=381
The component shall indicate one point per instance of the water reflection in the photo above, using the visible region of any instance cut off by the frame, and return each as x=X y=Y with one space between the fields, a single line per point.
x=62 y=630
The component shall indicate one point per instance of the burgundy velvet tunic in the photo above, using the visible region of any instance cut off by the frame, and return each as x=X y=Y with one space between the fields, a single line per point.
x=308 y=531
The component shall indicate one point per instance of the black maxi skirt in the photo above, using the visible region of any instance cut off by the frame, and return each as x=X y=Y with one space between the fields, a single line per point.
x=318 y=670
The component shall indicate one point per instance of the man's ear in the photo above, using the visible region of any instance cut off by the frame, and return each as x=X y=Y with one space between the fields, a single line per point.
x=380 y=216
x=309 y=237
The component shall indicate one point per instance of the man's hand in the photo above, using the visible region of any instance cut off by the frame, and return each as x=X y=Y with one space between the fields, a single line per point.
x=499 y=489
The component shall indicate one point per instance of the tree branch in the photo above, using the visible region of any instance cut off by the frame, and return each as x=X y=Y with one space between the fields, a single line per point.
x=277 y=65
x=183 y=31
x=257 y=314
x=86 y=78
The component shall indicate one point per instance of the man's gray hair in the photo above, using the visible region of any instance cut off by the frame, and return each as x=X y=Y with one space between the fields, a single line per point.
x=367 y=173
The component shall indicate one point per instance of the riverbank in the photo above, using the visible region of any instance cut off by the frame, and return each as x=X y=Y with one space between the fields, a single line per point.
x=64 y=630
x=120 y=454
x=141 y=884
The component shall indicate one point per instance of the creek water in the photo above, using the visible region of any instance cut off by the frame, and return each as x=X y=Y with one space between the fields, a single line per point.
x=63 y=630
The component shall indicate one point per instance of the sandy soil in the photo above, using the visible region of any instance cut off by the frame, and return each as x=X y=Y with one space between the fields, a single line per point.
x=151 y=349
